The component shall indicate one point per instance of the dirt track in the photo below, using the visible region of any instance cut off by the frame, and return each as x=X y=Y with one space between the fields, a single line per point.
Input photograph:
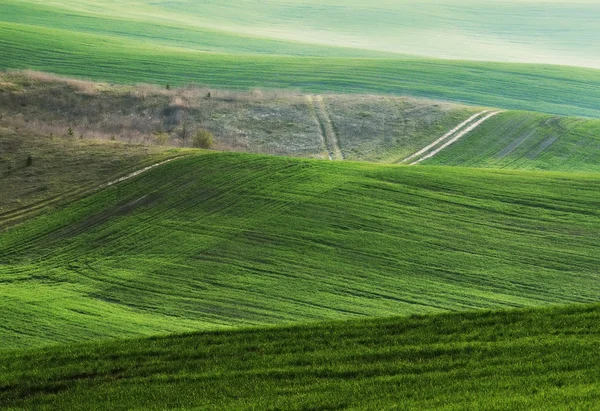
x=328 y=134
x=450 y=137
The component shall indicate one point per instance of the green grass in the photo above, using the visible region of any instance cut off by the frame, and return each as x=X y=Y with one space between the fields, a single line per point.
x=519 y=140
x=226 y=240
x=116 y=23
x=124 y=58
x=465 y=29
x=531 y=359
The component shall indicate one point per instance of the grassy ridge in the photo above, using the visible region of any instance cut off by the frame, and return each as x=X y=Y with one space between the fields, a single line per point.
x=519 y=140
x=535 y=359
x=221 y=240
x=551 y=89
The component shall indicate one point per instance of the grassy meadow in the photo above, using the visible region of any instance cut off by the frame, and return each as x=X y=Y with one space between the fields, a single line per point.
x=38 y=108
x=225 y=240
x=522 y=359
x=63 y=168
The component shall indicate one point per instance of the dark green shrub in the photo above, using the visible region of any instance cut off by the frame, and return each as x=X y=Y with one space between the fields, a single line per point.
x=203 y=139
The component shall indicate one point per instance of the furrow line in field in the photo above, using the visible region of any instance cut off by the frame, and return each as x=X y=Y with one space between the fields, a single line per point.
x=446 y=136
x=461 y=134
x=135 y=173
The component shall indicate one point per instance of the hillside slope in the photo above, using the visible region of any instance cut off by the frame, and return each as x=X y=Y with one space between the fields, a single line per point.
x=522 y=140
x=221 y=240
x=376 y=128
x=63 y=168
x=461 y=29
x=535 y=359
x=550 y=89
x=372 y=128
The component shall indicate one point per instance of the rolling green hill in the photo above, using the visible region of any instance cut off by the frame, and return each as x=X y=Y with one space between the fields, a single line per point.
x=520 y=140
x=535 y=359
x=137 y=276
x=496 y=30
x=223 y=240
x=82 y=39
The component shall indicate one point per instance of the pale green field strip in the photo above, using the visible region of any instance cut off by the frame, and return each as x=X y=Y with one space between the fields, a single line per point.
x=518 y=140
x=551 y=89
x=554 y=32
x=228 y=240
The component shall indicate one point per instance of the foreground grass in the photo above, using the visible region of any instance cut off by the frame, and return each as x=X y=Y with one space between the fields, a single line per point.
x=524 y=140
x=223 y=240
x=550 y=89
x=526 y=359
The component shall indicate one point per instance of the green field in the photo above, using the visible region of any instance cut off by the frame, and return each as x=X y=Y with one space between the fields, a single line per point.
x=224 y=240
x=83 y=40
x=522 y=140
x=495 y=30
x=308 y=263
x=535 y=360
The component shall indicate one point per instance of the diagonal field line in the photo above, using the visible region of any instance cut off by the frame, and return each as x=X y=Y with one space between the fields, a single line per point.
x=23 y=212
x=137 y=173
x=445 y=136
x=455 y=138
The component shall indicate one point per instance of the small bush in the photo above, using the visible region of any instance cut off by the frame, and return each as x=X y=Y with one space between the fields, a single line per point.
x=29 y=161
x=161 y=138
x=70 y=132
x=203 y=139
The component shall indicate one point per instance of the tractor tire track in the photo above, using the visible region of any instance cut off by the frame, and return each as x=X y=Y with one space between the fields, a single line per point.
x=313 y=113
x=327 y=130
x=456 y=137
x=445 y=136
